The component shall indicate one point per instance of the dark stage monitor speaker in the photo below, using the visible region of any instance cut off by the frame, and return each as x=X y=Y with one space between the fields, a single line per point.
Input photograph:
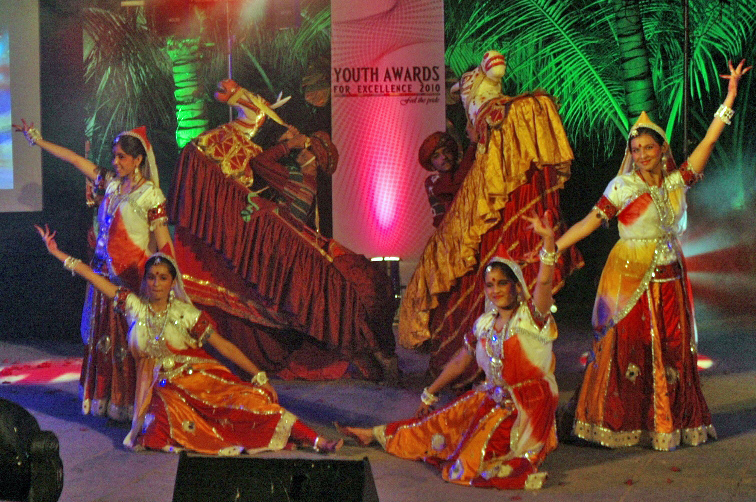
x=202 y=478
x=30 y=466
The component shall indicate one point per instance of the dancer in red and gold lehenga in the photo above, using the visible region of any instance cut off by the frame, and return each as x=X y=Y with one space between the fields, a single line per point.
x=132 y=224
x=186 y=399
x=498 y=434
x=641 y=382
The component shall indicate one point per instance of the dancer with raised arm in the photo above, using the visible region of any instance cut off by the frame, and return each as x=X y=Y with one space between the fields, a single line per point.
x=641 y=381
x=185 y=398
x=132 y=224
x=498 y=434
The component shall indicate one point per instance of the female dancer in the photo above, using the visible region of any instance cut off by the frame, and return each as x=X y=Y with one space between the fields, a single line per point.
x=498 y=434
x=641 y=382
x=185 y=398
x=132 y=224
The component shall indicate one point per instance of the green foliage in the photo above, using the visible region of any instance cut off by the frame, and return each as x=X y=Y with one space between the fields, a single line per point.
x=134 y=77
x=128 y=80
x=570 y=49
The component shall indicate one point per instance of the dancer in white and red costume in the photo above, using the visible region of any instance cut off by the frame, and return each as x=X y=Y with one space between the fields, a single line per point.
x=131 y=225
x=499 y=433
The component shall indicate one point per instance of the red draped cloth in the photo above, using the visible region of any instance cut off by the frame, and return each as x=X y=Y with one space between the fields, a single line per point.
x=270 y=285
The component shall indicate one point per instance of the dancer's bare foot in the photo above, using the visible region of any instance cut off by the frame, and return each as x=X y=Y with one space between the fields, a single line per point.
x=363 y=436
x=323 y=445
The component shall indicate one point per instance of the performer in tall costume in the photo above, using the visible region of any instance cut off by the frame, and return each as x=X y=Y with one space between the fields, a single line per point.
x=185 y=398
x=291 y=166
x=641 y=381
x=297 y=303
x=498 y=434
x=132 y=224
x=523 y=158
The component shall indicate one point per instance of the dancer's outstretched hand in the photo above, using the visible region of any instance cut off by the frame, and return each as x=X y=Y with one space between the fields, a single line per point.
x=30 y=132
x=736 y=72
x=49 y=239
x=541 y=226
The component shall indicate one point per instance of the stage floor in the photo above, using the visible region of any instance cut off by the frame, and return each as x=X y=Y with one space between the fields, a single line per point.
x=98 y=468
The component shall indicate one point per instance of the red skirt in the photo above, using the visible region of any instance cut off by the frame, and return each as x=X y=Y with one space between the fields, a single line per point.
x=641 y=383
x=108 y=374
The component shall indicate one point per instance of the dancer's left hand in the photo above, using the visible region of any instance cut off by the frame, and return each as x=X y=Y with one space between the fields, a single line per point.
x=48 y=237
x=541 y=226
x=736 y=72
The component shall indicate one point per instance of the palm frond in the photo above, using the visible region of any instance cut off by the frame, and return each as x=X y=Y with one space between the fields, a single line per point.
x=719 y=30
x=555 y=46
x=125 y=69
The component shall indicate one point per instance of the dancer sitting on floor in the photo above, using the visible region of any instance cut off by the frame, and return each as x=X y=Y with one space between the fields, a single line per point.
x=499 y=433
x=186 y=399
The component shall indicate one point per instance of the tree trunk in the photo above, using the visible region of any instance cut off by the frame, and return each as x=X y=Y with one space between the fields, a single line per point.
x=634 y=60
x=191 y=114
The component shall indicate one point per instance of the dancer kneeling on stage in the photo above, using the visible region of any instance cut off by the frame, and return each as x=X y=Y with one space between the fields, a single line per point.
x=499 y=433
x=186 y=399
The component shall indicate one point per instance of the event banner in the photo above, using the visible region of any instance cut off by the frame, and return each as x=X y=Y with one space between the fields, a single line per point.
x=387 y=86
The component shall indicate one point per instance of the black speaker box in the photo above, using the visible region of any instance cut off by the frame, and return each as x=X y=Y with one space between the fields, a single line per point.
x=30 y=466
x=201 y=478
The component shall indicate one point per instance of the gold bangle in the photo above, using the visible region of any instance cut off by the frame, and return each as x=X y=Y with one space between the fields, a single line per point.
x=427 y=398
x=260 y=378
x=70 y=264
x=548 y=257
x=32 y=135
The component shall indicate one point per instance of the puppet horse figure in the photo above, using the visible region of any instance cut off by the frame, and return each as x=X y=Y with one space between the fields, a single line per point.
x=231 y=144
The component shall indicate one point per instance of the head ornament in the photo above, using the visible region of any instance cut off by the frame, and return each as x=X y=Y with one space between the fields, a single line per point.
x=644 y=121
x=150 y=170
x=326 y=153
x=432 y=143
x=502 y=256
x=178 y=284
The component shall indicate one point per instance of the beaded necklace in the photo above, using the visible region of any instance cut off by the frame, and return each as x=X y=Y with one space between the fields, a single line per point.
x=156 y=342
x=118 y=196
x=494 y=349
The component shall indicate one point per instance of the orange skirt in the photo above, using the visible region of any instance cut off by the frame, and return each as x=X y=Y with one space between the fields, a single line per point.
x=210 y=410
x=469 y=440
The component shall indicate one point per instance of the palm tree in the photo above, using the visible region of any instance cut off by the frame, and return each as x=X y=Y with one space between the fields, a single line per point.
x=604 y=60
x=138 y=77
x=128 y=76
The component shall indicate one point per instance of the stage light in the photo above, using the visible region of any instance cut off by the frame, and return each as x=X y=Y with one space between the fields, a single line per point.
x=704 y=362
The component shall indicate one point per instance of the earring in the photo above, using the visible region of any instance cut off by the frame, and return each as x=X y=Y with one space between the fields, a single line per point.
x=171 y=296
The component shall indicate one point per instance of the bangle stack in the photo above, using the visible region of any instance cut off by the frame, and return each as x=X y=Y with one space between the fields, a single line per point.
x=70 y=264
x=725 y=113
x=32 y=135
x=260 y=378
x=548 y=257
x=427 y=398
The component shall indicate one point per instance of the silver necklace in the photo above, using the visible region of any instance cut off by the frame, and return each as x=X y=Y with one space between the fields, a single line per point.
x=156 y=342
x=494 y=350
